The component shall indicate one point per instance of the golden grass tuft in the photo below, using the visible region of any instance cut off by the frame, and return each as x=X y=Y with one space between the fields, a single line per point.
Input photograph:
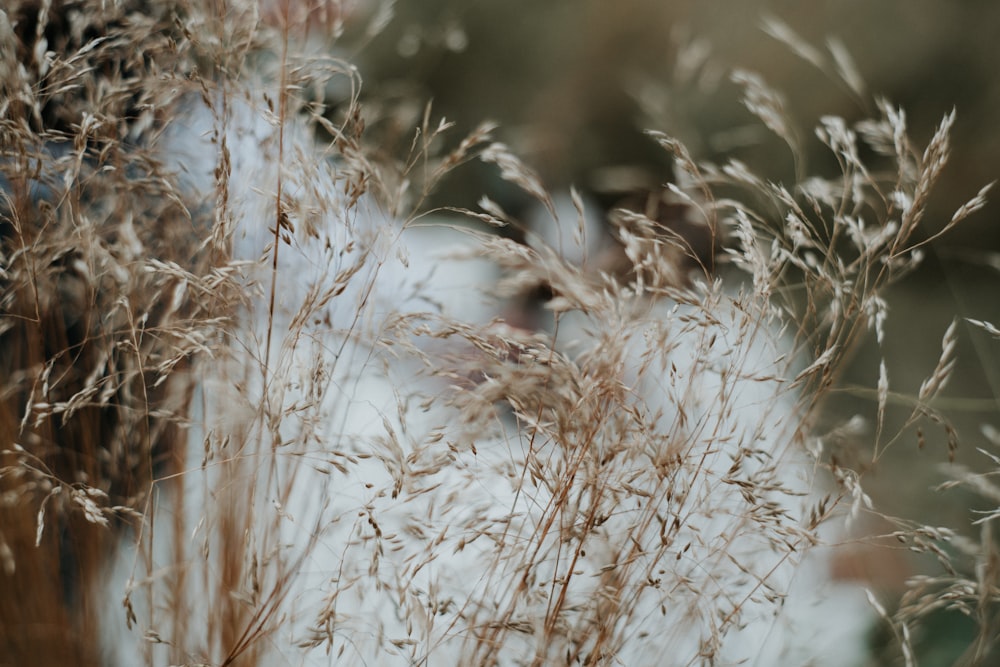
x=235 y=388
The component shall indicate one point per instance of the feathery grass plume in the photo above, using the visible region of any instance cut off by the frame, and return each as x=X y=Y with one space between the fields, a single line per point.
x=967 y=578
x=850 y=276
x=229 y=319
x=94 y=341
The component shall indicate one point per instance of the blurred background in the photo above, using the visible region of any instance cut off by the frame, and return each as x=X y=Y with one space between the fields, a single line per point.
x=573 y=83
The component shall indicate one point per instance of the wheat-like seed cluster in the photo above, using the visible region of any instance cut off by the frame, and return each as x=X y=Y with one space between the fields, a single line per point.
x=253 y=389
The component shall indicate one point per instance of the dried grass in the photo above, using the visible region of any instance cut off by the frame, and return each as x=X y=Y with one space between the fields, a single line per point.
x=254 y=358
